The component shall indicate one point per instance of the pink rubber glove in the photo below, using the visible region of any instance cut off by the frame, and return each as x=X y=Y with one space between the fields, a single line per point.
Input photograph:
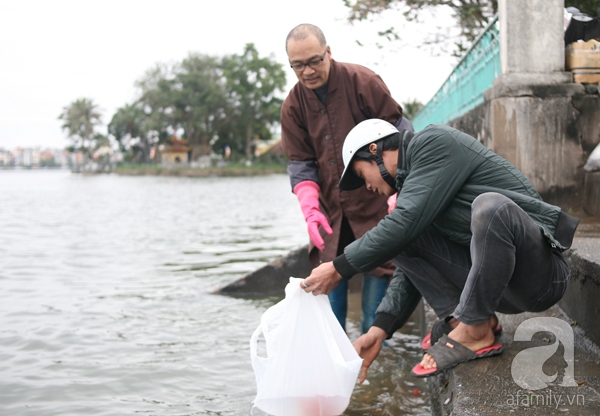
x=392 y=202
x=308 y=196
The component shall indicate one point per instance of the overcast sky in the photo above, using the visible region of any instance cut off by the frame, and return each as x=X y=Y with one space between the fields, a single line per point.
x=55 y=51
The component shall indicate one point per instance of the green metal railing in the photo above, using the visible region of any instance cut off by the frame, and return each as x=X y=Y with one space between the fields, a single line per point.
x=463 y=89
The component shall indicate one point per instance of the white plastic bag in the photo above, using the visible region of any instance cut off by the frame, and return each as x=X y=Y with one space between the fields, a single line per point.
x=593 y=162
x=311 y=366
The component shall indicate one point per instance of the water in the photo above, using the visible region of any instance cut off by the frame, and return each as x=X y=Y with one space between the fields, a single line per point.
x=106 y=305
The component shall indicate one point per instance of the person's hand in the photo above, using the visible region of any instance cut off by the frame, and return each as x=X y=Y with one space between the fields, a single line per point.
x=314 y=219
x=392 y=202
x=368 y=347
x=308 y=196
x=322 y=280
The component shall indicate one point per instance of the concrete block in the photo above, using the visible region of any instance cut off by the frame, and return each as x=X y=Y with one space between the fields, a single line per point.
x=532 y=36
x=581 y=299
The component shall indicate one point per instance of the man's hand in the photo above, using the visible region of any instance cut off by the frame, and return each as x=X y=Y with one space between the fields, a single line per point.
x=368 y=347
x=322 y=280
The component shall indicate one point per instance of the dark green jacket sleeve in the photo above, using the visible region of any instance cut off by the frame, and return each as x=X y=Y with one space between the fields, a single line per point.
x=400 y=301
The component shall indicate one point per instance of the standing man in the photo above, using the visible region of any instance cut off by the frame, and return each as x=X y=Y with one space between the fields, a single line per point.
x=328 y=100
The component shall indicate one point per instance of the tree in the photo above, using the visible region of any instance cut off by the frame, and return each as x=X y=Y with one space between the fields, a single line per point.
x=130 y=126
x=411 y=108
x=200 y=104
x=80 y=120
x=252 y=84
x=189 y=96
x=471 y=17
x=156 y=100
x=231 y=100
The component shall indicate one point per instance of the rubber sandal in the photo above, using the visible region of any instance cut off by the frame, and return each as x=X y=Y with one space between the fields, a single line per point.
x=441 y=327
x=449 y=353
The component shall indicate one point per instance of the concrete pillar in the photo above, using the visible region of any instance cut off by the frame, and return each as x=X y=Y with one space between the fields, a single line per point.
x=532 y=42
x=533 y=122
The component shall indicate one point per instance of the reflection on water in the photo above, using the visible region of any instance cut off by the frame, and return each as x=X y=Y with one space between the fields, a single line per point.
x=107 y=308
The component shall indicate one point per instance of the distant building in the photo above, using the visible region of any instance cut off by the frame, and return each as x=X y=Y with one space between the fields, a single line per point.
x=33 y=157
x=6 y=158
x=174 y=153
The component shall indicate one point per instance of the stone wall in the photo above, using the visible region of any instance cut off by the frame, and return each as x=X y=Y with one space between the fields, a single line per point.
x=547 y=131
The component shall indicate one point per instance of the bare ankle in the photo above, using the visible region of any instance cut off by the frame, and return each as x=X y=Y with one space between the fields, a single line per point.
x=453 y=322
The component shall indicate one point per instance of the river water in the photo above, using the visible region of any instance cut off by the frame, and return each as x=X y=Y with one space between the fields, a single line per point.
x=106 y=305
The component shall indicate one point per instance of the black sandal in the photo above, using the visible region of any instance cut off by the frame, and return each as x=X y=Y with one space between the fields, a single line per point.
x=441 y=327
x=449 y=353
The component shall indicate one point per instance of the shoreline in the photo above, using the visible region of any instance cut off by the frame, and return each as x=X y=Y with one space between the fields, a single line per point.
x=196 y=172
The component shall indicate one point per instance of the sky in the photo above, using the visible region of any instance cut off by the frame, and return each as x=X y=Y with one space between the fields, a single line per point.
x=54 y=52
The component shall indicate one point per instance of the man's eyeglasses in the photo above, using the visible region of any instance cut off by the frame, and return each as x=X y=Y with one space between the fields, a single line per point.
x=314 y=64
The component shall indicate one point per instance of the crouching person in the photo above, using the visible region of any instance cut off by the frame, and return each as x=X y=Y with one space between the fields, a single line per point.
x=469 y=231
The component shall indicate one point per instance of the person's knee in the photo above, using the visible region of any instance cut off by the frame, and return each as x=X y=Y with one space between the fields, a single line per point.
x=486 y=205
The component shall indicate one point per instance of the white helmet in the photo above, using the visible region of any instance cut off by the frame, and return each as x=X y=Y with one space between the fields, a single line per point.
x=362 y=134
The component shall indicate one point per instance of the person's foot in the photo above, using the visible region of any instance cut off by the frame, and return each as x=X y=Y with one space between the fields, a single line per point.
x=492 y=322
x=453 y=322
x=474 y=337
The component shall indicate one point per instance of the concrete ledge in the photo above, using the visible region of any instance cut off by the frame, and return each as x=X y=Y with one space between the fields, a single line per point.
x=500 y=90
x=582 y=299
x=533 y=78
x=486 y=386
x=272 y=278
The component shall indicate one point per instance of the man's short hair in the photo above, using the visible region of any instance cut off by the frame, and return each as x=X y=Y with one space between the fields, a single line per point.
x=387 y=143
x=303 y=31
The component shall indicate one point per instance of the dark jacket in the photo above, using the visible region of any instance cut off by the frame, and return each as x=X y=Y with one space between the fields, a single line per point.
x=445 y=170
x=312 y=139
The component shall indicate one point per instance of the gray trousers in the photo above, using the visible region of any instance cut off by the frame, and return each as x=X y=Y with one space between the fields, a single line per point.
x=509 y=267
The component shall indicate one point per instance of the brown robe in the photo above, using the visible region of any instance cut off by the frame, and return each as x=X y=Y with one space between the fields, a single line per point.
x=313 y=131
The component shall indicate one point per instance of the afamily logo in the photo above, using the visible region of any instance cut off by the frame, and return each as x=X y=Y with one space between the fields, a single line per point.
x=526 y=368
x=545 y=398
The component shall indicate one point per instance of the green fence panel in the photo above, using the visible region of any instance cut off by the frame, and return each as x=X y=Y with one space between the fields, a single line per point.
x=463 y=89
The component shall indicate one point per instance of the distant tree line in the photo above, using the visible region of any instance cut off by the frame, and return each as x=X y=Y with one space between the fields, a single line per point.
x=215 y=103
x=212 y=102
